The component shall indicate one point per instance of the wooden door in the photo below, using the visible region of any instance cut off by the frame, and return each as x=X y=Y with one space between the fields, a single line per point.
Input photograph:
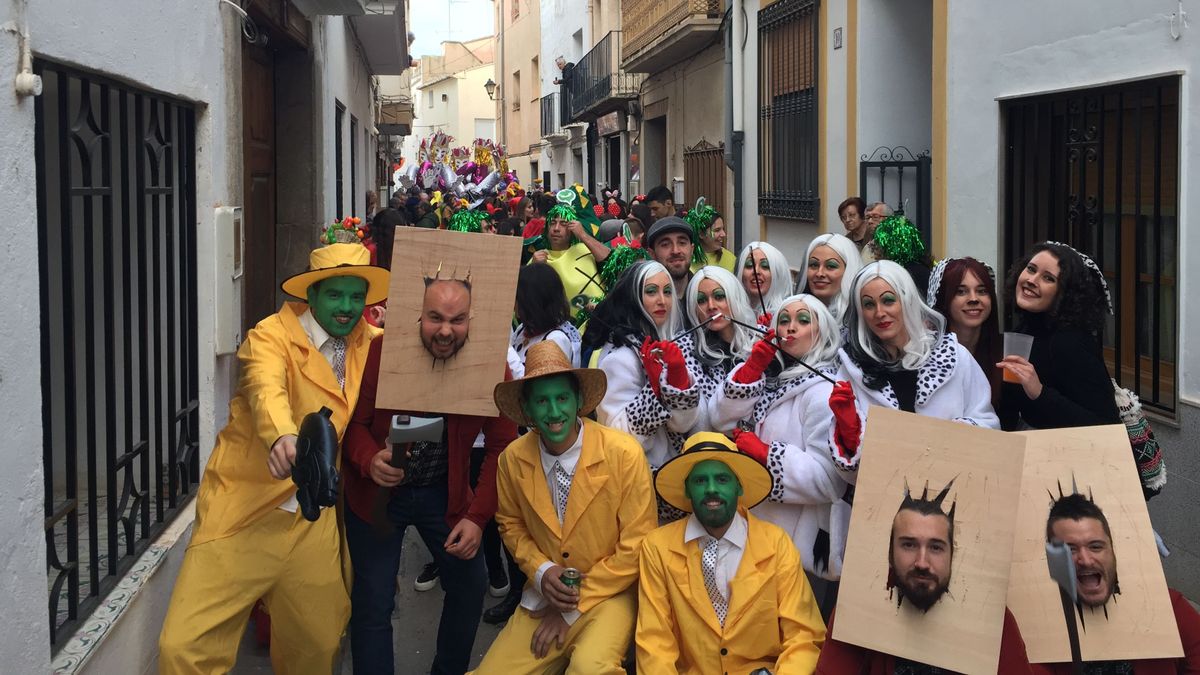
x=258 y=165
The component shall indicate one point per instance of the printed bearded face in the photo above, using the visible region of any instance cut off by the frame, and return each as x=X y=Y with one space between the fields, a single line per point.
x=337 y=303
x=921 y=557
x=445 y=318
x=713 y=489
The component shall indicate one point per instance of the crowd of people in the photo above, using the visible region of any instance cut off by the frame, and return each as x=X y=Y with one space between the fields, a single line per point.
x=668 y=486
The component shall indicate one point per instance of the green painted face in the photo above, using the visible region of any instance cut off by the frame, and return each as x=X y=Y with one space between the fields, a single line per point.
x=337 y=303
x=553 y=406
x=713 y=489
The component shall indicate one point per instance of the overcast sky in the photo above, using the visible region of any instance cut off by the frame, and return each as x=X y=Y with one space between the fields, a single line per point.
x=435 y=21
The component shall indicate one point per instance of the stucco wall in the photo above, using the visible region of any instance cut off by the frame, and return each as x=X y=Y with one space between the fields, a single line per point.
x=563 y=18
x=344 y=77
x=1025 y=47
x=695 y=109
x=522 y=43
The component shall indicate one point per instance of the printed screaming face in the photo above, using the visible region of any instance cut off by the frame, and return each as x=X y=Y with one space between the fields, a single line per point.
x=1076 y=521
x=922 y=550
x=445 y=317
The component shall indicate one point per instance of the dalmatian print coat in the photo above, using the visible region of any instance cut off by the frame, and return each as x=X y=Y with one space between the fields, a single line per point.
x=950 y=386
x=809 y=500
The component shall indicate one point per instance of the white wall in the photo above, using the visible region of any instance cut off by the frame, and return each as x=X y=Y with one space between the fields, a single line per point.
x=895 y=68
x=1023 y=47
x=182 y=56
x=561 y=19
x=342 y=76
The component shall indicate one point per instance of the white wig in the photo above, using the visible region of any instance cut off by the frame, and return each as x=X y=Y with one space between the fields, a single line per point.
x=852 y=261
x=674 y=318
x=829 y=338
x=739 y=307
x=924 y=325
x=781 y=274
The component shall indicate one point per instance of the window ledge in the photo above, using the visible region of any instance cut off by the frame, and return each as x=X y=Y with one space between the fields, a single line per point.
x=85 y=642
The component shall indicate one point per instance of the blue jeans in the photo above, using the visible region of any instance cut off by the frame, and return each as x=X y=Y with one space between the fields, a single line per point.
x=376 y=562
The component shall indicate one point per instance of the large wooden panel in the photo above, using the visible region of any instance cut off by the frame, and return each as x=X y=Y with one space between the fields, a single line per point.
x=962 y=631
x=409 y=377
x=1139 y=623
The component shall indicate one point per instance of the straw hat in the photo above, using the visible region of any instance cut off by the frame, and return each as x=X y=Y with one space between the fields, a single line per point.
x=542 y=359
x=669 y=481
x=340 y=260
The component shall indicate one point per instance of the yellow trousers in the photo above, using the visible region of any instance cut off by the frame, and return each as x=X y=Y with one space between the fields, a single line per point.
x=595 y=645
x=292 y=564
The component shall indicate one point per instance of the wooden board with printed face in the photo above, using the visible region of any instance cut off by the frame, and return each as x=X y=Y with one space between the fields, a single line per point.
x=961 y=631
x=1140 y=623
x=410 y=377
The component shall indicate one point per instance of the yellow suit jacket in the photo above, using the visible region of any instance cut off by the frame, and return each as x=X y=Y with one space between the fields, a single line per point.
x=772 y=622
x=610 y=509
x=283 y=378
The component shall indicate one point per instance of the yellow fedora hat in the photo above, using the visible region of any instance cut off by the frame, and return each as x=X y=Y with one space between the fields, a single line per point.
x=340 y=260
x=669 y=481
x=547 y=358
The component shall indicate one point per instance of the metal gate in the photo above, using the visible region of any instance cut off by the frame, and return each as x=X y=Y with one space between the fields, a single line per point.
x=116 y=203
x=704 y=175
x=1099 y=169
x=901 y=180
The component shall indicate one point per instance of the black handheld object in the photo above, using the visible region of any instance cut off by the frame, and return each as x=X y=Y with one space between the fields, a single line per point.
x=315 y=473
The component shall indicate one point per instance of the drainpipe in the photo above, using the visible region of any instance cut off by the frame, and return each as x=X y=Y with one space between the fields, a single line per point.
x=735 y=135
x=501 y=84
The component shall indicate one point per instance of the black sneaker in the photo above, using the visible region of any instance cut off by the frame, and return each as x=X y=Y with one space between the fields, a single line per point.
x=503 y=610
x=427 y=579
x=498 y=582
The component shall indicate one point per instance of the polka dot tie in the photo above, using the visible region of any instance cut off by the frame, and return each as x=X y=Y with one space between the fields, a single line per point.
x=562 y=490
x=708 y=563
x=339 y=359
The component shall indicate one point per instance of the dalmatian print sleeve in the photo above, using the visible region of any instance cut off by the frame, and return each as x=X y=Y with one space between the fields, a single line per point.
x=683 y=405
x=629 y=404
x=733 y=402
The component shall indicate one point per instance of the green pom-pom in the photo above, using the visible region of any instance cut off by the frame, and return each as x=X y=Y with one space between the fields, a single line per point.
x=465 y=220
x=899 y=240
x=560 y=212
x=618 y=261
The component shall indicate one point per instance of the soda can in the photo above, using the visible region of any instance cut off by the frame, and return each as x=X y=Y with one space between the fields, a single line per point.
x=571 y=578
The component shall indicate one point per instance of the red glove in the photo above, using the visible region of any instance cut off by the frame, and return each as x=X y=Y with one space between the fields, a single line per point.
x=751 y=445
x=677 y=374
x=761 y=355
x=765 y=319
x=651 y=364
x=847 y=427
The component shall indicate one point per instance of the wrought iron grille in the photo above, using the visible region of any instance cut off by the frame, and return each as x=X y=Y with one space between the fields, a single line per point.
x=900 y=179
x=551 y=115
x=1099 y=169
x=704 y=174
x=597 y=81
x=116 y=216
x=788 y=112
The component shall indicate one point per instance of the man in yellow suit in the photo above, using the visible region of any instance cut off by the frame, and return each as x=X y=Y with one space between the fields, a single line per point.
x=249 y=541
x=722 y=591
x=575 y=496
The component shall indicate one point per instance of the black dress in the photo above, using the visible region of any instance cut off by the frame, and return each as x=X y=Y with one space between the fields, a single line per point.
x=1076 y=389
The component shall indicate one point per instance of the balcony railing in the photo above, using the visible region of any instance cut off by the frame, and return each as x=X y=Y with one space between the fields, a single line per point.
x=598 y=84
x=551 y=115
x=644 y=21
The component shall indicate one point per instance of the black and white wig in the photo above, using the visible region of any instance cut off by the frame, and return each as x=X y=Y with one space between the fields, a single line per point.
x=824 y=348
x=781 y=274
x=924 y=325
x=851 y=263
x=739 y=307
x=622 y=319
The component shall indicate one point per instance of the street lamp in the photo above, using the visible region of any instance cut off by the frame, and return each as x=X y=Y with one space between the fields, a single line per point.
x=490 y=86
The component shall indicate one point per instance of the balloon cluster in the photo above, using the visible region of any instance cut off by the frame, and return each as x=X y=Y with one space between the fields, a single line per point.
x=473 y=173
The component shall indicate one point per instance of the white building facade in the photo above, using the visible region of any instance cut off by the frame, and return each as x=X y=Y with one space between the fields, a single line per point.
x=175 y=174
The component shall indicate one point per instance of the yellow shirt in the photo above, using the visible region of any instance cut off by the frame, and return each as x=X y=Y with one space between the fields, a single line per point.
x=772 y=621
x=727 y=260
x=283 y=378
x=576 y=267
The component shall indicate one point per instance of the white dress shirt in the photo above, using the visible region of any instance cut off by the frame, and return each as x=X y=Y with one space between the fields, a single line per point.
x=730 y=547
x=531 y=598
x=323 y=341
